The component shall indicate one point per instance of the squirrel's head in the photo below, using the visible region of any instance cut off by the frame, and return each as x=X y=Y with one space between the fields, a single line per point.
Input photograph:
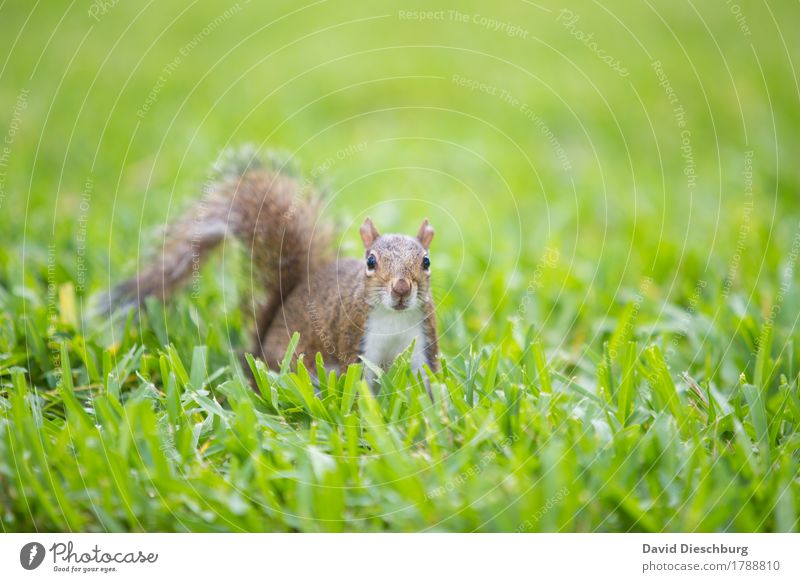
x=397 y=267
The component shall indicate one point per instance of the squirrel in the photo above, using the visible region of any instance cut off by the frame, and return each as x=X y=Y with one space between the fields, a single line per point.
x=348 y=310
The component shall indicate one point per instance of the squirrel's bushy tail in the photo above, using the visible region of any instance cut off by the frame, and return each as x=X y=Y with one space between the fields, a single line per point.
x=273 y=214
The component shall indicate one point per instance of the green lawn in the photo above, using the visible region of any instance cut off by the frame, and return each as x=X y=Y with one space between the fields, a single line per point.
x=614 y=189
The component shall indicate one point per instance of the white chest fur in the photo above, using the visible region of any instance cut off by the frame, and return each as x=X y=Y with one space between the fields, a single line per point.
x=390 y=332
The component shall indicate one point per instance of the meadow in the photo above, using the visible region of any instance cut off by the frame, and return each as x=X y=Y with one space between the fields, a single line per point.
x=614 y=188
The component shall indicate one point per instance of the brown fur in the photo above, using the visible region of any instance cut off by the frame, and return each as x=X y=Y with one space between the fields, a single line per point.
x=330 y=308
x=305 y=290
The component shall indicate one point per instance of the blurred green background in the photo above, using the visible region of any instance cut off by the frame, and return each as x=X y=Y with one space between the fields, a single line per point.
x=558 y=149
x=601 y=171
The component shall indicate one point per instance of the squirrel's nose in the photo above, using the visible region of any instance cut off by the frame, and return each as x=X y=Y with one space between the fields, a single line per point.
x=401 y=288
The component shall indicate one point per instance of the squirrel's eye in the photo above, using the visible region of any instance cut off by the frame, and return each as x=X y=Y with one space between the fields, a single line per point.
x=426 y=262
x=371 y=262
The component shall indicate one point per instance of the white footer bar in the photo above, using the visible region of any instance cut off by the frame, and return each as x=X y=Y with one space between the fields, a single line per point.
x=389 y=557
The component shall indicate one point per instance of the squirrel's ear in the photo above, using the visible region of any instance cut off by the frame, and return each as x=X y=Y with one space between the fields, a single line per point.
x=368 y=233
x=425 y=234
